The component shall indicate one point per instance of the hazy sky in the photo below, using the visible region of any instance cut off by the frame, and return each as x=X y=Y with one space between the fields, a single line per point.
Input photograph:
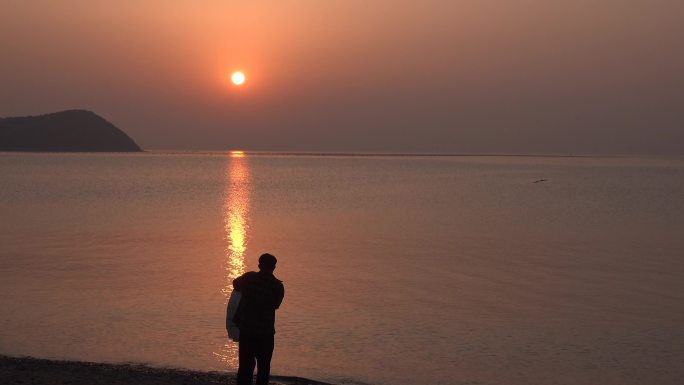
x=495 y=76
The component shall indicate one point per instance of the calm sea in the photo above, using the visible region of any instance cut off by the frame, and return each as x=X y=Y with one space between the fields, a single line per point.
x=398 y=270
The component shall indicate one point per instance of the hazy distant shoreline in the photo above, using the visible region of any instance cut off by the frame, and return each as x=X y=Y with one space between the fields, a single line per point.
x=63 y=131
x=34 y=371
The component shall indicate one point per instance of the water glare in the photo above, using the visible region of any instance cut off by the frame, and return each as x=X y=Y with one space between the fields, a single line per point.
x=235 y=217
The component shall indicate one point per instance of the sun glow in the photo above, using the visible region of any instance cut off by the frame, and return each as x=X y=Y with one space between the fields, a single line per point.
x=238 y=78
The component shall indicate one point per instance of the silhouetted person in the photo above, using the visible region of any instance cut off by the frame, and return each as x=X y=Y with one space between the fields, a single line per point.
x=262 y=294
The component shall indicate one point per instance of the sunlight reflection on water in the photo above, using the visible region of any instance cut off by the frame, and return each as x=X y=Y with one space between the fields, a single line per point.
x=236 y=215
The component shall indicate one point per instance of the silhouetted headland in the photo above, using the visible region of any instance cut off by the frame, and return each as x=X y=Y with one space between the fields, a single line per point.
x=65 y=131
x=33 y=371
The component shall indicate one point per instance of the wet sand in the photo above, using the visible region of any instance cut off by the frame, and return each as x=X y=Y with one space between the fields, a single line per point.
x=33 y=371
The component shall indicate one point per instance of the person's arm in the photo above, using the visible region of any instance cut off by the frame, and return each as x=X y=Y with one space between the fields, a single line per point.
x=280 y=295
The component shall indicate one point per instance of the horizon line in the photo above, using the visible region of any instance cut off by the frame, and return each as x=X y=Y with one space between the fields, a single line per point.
x=358 y=153
x=405 y=154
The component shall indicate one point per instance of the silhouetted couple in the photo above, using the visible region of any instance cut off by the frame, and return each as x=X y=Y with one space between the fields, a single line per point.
x=262 y=294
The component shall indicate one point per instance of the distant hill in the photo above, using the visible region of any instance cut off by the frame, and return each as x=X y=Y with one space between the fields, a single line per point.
x=65 y=131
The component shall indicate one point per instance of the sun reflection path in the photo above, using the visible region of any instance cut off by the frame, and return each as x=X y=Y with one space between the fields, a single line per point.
x=236 y=226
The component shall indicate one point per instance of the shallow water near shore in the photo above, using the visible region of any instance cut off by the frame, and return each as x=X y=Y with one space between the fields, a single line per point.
x=397 y=269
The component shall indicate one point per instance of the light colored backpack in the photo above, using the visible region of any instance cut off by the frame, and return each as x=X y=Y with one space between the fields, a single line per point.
x=233 y=303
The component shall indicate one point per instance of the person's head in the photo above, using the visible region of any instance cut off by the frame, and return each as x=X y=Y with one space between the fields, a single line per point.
x=267 y=262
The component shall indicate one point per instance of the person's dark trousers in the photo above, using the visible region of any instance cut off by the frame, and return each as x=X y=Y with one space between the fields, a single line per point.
x=255 y=349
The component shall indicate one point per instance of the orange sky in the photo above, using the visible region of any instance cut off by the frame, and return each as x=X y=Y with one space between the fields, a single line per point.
x=514 y=76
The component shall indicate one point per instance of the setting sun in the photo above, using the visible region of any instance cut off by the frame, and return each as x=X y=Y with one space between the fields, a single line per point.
x=237 y=78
